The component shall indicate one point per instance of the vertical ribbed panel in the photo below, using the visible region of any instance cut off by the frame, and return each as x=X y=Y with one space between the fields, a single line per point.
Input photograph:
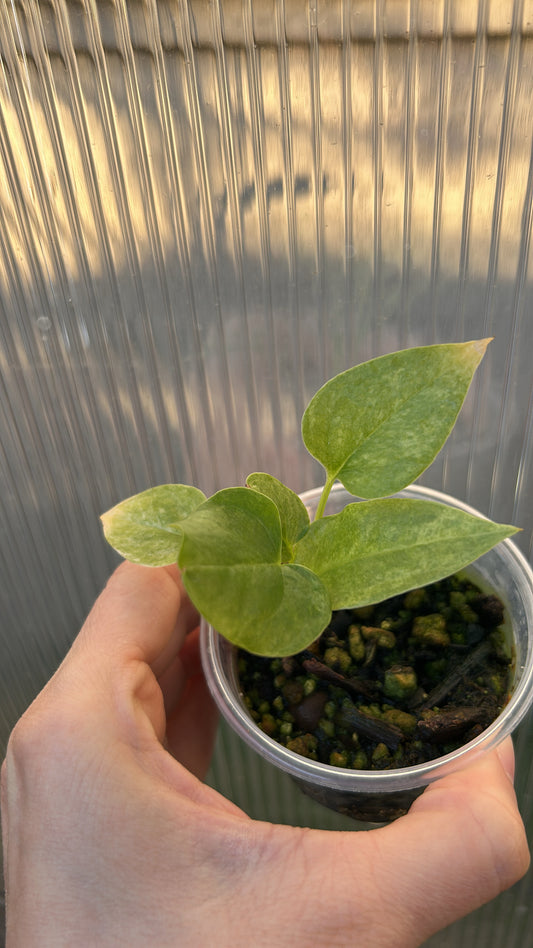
x=208 y=208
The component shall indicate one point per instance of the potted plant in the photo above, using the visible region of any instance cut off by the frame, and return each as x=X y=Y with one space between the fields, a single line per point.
x=267 y=569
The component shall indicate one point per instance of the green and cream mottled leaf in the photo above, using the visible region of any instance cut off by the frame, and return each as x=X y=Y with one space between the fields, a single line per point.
x=145 y=528
x=378 y=425
x=231 y=567
x=235 y=526
x=264 y=576
x=292 y=511
x=268 y=609
x=375 y=549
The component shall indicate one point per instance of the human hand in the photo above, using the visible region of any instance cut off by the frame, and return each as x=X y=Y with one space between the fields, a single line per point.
x=111 y=838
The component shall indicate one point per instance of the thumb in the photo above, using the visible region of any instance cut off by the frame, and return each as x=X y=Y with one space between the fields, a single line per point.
x=460 y=845
x=131 y=638
x=464 y=840
x=142 y=613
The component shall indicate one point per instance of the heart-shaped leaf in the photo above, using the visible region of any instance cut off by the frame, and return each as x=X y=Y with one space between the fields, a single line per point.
x=292 y=511
x=267 y=609
x=231 y=567
x=145 y=528
x=264 y=576
x=235 y=526
x=377 y=426
x=375 y=549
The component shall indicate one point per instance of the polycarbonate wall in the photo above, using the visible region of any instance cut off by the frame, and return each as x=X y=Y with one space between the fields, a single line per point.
x=207 y=209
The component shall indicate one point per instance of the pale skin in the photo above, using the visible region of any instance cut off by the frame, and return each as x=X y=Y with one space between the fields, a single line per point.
x=111 y=838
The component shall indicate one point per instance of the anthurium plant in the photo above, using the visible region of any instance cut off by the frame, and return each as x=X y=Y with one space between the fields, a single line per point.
x=265 y=575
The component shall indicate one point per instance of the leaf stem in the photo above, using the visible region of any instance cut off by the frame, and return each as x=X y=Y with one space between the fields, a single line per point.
x=324 y=498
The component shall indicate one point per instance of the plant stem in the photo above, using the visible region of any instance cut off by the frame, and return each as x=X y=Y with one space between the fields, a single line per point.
x=324 y=498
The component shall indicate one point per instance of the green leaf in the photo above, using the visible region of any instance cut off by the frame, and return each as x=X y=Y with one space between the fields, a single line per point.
x=233 y=527
x=292 y=511
x=377 y=426
x=266 y=609
x=264 y=576
x=145 y=528
x=231 y=568
x=379 y=548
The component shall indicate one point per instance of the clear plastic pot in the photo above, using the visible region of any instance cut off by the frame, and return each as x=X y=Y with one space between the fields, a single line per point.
x=381 y=796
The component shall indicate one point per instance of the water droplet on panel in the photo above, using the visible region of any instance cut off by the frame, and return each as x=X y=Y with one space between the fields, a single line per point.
x=44 y=324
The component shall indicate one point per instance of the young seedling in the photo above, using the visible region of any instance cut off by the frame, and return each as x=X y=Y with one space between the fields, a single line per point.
x=264 y=575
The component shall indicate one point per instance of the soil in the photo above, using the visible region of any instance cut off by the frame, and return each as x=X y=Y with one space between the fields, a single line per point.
x=391 y=685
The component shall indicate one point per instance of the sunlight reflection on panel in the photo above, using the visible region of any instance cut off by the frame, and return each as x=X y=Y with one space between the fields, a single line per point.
x=140 y=115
